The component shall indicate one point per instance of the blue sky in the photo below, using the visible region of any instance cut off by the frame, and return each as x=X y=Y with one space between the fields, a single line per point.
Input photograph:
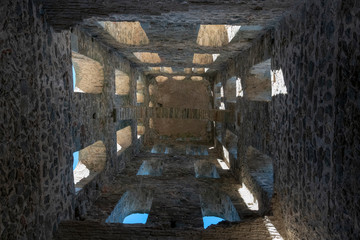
x=208 y=220
x=76 y=159
x=74 y=76
x=136 y=218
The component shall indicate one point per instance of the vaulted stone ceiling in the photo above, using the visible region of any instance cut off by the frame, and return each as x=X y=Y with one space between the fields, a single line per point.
x=174 y=38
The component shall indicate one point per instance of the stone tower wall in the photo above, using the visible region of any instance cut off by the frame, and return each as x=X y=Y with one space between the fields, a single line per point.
x=35 y=134
x=314 y=128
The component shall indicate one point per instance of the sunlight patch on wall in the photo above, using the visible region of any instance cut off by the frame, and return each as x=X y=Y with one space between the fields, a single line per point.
x=274 y=234
x=222 y=106
x=248 y=198
x=215 y=56
x=239 y=89
x=80 y=172
x=278 y=85
x=226 y=154
x=118 y=147
x=231 y=31
x=223 y=165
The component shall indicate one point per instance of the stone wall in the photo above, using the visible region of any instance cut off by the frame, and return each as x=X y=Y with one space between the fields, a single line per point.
x=315 y=131
x=35 y=139
x=96 y=116
x=181 y=94
x=44 y=121
x=252 y=117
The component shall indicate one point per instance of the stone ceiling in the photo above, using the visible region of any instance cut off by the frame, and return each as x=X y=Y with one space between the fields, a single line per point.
x=179 y=38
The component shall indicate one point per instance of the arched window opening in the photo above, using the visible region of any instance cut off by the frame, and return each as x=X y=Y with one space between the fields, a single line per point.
x=278 y=85
x=258 y=180
x=122 y=83
x=217 y=204
x=88 y=162
x=123 y=139
x=211 y=220
x=136 y=201
x=258 y=82
x=205 y=169
x=153 y=167
x=89 y=74
x=274 y=234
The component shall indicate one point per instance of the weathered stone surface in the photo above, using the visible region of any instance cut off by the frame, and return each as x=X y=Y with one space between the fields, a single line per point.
x=315 y=142
x=303 y=123
x=35 y=131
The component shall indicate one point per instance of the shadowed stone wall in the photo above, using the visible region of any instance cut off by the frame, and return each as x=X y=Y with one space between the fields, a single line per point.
x=181 y=94
x=314 y=127
x=252 y=117
x=44 y=121
x=96 y=116
x=35 y=140
x=309 y=130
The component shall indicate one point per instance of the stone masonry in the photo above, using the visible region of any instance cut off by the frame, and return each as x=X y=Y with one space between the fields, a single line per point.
x=243 y=110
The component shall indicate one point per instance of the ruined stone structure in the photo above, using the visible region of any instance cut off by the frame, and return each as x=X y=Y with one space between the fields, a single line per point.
x=180 y=109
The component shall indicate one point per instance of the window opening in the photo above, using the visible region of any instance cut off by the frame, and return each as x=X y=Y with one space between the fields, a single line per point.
x=89 y=74
x=217 y=204
x=123 y=139
x=258 y=82
x=88 y=162
x=136 y=201
x=122 y=83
